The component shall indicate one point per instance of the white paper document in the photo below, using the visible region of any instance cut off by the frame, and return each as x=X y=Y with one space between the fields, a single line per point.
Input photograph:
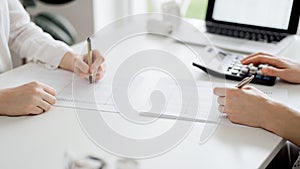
x=75 y=92
x=80 y=94
x=207 y=106
x=175 y=106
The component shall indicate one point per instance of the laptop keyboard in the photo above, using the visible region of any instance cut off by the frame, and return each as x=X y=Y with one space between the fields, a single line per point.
x=245 y=33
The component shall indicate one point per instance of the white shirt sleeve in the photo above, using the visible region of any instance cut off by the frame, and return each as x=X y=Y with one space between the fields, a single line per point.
x=28 y=40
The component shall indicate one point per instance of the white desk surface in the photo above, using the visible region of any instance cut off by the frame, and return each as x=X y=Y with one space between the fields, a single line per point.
x=36 y=142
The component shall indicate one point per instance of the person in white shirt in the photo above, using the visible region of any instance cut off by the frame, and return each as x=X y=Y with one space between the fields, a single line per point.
x=20 y=37
x=252 y=107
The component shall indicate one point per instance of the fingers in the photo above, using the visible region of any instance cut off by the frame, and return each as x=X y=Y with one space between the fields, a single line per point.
x=36 y=110
x=272 y=71
x=221 y=100
x=220 y=91
x=96 y=77
x=223 y=94
x=99 y=76
x=46 y=97
x=48 y=89
x=263 y=59
x=98 y=61
x=45 y=106
x=45 y=102
x=97 y=68
x=49 y=98
x=84 y=75
x=82 y=66
x=255 y=54
x=100 y=73
x=82 y=69
x=221 y=108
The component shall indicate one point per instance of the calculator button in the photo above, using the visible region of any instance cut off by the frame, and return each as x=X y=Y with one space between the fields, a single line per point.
x=249 y=74
x=238 y=57
x=259 y=72
x=253 y=68
x=258 y=76
x=266 y=78
x=262 y=66
x=237 y=68
x=235 y=62
x=222 y=54
x=242 y=74
x=245 y=70
x=230 y=66
x=234 y=72
x=252 y=71
x=239 y=64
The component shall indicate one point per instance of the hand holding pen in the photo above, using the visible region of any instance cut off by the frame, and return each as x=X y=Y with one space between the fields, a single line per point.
x=92 y=66
x=242 y=104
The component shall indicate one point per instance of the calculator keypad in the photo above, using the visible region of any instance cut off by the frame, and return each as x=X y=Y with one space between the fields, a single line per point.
x=238 y=69
x=234 y=70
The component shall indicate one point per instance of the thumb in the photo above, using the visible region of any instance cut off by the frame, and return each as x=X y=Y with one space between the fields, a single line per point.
x=272 y=71
x=82 y=66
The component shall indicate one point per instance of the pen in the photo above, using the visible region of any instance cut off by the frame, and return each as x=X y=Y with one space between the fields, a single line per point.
x=244 y=82
x=90 y=58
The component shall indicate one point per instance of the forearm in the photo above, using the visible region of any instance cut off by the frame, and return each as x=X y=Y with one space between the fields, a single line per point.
x=28 y=40
x=2 y=103
x=284 y=122
x=293 y=133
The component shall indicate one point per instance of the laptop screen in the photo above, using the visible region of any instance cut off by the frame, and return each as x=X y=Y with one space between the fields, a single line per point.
x=265 y=13
x=274 y=14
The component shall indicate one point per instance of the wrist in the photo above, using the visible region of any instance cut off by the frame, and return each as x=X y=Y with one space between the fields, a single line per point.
x=276 y=117
x=4 y=95
x=268 y=117
x=68 y=61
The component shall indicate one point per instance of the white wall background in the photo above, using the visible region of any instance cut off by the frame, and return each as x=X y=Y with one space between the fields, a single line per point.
x=106 y=11
x=88 y=16
x=78 y=12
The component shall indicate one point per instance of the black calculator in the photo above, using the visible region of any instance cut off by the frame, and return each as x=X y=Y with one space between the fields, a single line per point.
x=233 y=69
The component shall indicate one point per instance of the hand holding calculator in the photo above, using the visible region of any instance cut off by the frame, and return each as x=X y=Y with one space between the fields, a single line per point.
x=233 y=69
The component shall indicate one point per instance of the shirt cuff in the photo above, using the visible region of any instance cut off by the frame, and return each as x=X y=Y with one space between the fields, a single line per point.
x=57 y=53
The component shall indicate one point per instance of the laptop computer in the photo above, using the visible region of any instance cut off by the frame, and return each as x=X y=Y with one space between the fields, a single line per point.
x=251 y=25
